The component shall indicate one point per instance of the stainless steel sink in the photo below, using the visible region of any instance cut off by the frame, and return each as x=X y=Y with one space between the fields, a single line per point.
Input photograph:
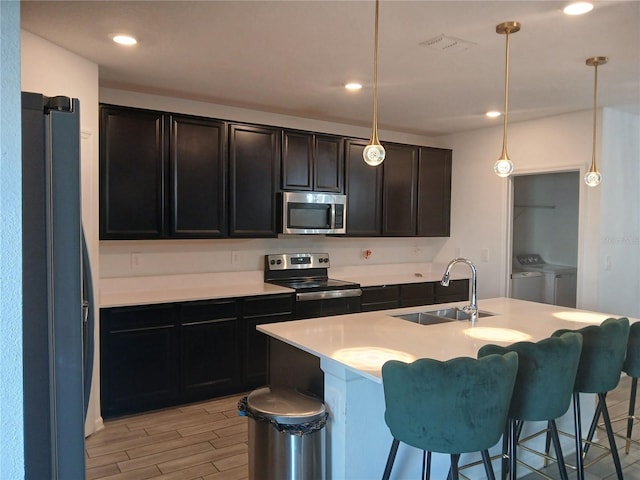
x=434 y=317
x=457 y=313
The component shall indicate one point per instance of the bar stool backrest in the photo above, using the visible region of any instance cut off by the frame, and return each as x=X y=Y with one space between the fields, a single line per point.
x=546 y=375
x=632 y=362
x=452 y=407
x=603 y=352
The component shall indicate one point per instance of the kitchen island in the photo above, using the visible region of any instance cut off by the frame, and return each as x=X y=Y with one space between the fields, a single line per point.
x=353 y=348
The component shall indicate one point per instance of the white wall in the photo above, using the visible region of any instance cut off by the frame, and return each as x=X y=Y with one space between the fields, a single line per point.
x=480 y=199
x=619 y=239
x=51 y=70
x=11 y=412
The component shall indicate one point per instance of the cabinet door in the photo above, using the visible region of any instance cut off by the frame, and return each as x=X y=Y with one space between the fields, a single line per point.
x=133 y=167
x=297 y=161
x=399 y=191
x=364 y=192
x=254 y=154
x=198 y=177
x=434 y=192
x=210 y=349
x=259 y=311
x=328 y=165
x=138 y=359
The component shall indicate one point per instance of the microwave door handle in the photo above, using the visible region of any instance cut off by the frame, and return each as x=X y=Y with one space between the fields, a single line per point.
x=332 y=216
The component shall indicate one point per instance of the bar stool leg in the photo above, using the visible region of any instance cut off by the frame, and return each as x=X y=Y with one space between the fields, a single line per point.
x=578 y=431
x=455 y=457
x=592 y=428
x=632 y=410
x=390 y=459
x=488 y=468
x=612 y=440
x=562 y=468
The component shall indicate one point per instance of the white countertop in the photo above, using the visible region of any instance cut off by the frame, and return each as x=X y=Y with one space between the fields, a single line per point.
x=147 y=290
x=362 y=342
x=119 y=292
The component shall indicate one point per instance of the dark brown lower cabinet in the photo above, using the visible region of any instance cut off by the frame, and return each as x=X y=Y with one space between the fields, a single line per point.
x=457 y=291
x=413 y=294
x=154 y=356
x=137 y=352
x=258 y=311
x=379 y=297
x=210 y=349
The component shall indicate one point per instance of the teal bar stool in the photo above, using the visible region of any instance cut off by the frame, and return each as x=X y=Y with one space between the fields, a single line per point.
x=451 y=407
x=543 y=390
x=632 y=368
x=603 y=352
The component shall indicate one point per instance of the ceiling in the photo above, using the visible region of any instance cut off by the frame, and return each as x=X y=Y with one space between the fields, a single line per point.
x=294 y=57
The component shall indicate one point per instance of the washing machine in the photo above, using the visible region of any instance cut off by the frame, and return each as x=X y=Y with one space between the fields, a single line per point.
x=528 y=286
x=559 y=285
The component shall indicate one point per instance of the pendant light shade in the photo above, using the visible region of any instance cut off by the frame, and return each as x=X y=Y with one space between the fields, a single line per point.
x=504 y=166
x=374 y=153
x=593 y=176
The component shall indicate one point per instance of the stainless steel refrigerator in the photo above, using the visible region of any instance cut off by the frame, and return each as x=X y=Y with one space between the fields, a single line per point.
x=57 y=313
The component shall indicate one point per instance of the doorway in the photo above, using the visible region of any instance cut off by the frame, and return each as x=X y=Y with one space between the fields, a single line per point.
x=545 y=237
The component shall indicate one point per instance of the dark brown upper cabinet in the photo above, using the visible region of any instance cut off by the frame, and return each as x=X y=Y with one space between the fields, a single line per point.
x=312 y=162
x=434 y=192
x=198 y=177
x=364 y=192
x=399 y=190
x=161 y=175
x=254 y=159
x=133 y=173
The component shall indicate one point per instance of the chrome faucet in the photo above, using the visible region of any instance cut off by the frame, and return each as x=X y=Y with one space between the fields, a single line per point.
x=472 y=308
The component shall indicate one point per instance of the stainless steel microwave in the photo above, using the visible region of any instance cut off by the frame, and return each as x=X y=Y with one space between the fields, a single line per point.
x=313 y=213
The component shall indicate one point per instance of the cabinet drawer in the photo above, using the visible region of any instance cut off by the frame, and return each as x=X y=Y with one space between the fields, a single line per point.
x=208 y=310
x=379 y=298
x=412 y=294
x=267 y=305
x=457 y=291
x=139 y=317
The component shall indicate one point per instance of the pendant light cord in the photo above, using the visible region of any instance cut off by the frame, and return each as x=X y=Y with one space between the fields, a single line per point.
x=374 y=134
x=595 y=107
x=506 y=99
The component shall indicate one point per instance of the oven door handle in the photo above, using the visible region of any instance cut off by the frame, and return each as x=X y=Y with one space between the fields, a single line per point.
x=328 y=294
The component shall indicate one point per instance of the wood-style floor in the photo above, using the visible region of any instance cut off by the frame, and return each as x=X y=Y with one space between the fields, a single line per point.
x=208 y=441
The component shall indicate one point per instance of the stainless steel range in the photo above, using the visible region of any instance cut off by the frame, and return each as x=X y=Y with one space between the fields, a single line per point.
x=317 y=295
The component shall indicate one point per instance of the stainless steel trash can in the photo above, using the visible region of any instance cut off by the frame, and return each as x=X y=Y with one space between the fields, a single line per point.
x=286 y=434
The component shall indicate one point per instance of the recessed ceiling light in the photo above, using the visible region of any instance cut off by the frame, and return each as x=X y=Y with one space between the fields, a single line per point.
x=578 y=8
x=124 y=39
x=493 y=114
x=353 y=86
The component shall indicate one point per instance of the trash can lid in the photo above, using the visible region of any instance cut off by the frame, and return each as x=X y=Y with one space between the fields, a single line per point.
x=285 y=405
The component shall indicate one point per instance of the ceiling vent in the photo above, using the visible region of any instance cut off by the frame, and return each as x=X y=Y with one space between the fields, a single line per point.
x=443 y=43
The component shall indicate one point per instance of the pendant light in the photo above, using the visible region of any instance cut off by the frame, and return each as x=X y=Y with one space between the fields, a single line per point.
x=374 y=153
x=504 y=166
x=593 y=176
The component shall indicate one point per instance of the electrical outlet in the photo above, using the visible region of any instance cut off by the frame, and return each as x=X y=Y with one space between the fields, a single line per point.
x=607 y=262
x=484 y=255
x=456 y=252
x=135 y=260
x=235 y=258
